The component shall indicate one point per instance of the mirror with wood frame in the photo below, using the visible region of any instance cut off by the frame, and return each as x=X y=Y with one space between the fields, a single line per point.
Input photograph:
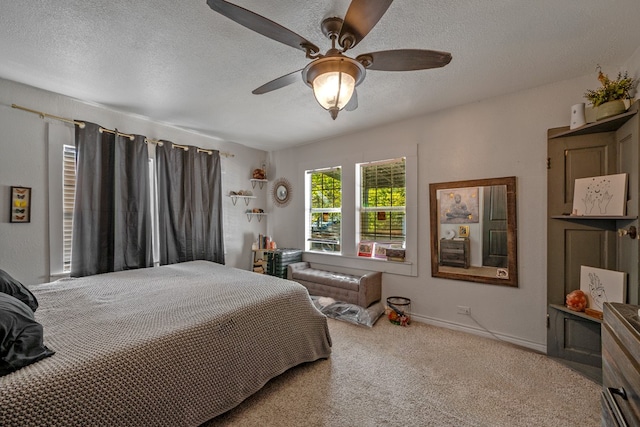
x=474 y=230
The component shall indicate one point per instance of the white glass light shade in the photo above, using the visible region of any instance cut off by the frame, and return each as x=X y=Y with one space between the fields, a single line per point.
x=333 y=89
x=333 y=80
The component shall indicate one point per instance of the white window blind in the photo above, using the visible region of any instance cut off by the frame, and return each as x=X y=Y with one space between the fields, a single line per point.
x=382 y=210
x=324 y=217
x=68 y=200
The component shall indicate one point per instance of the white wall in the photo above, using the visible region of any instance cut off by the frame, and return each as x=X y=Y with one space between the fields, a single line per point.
x=24 y=248
x=504 y=136
x=497 y=137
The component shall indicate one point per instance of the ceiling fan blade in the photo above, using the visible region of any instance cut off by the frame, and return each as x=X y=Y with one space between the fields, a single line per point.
x=404 y=59
x=262 y=25
x=353 y=102
x=361 y=17
x=278 y=83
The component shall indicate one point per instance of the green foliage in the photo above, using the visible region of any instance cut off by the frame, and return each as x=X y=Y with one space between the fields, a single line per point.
x=611 y=90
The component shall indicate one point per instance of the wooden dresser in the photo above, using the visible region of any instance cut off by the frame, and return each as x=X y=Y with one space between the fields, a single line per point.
x=620 y=365
x=454 y=253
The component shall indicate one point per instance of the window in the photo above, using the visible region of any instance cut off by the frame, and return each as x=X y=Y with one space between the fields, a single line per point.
x=381 y=209
x=324 y=210
x=68 y=198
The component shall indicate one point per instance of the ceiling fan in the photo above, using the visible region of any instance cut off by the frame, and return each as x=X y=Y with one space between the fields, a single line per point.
x=334 y=76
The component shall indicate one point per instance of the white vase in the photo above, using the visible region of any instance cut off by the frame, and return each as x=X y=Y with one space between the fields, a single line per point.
x=577 y=116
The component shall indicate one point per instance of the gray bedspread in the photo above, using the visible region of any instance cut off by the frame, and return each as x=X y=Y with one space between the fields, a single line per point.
x=168 y=346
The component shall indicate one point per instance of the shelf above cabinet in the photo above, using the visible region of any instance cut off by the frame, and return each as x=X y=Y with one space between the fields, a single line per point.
x=235 y=197
x=591 y=218
x=605 y=125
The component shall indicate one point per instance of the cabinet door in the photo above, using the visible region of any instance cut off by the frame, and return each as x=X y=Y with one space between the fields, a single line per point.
x=572 y=243
x=575 y=243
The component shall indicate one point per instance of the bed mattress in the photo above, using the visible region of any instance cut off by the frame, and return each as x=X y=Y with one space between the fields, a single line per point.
x=169 y=346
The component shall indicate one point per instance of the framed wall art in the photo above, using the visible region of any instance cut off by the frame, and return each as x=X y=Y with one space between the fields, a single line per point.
x=459 y=206
x=20 y=204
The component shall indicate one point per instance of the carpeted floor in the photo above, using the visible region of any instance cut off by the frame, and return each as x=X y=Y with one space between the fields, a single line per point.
x=421 y=375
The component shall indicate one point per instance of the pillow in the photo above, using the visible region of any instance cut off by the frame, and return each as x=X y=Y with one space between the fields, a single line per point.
x=20 y=336
x=11 y=286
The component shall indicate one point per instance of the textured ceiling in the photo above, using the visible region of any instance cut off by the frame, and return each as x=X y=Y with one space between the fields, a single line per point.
x=180 y=63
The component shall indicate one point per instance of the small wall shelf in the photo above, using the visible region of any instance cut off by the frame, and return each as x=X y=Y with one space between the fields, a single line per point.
x=235 y=197
x=260 y=182
x=250 y=215
x=584 y=217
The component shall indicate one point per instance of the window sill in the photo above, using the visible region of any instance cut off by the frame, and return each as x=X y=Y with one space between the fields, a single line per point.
x=406 y=268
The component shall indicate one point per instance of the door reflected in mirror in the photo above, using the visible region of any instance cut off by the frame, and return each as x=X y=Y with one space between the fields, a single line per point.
x=473 y=230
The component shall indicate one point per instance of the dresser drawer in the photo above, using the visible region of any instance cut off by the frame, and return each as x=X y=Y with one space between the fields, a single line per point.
x=621 y=364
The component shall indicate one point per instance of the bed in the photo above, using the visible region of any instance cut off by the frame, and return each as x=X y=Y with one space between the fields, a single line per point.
x=174 y=345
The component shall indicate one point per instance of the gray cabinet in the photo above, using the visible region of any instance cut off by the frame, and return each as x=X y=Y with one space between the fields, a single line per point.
x=620 y=354
x=606 y=147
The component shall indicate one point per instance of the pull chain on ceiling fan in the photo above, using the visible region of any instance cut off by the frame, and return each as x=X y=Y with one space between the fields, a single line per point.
x=334 y=76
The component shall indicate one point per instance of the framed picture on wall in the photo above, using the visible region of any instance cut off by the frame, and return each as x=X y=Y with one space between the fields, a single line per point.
x=20 y=204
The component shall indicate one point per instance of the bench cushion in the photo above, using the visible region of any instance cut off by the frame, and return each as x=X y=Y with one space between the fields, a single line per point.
x=329 y=278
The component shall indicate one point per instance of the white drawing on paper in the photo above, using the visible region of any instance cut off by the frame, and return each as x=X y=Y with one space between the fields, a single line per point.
x=601 y=286
x=597 y=195
x=600 y=195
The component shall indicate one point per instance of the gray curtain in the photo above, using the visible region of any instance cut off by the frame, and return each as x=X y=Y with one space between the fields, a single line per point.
x=189 y=204
x=112 y=214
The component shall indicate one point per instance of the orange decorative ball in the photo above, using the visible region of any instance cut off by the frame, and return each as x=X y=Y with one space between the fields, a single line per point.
x=576 y=301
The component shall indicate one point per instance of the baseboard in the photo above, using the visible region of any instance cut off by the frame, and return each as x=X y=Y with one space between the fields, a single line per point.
x=540 y=348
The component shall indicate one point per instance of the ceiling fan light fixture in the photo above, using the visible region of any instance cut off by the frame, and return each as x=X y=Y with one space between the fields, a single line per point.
x=333 y=80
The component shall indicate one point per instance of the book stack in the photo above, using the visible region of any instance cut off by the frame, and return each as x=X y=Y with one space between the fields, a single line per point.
x=395 y=255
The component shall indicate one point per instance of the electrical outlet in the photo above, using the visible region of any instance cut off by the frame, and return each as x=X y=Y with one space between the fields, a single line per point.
x=464 y=310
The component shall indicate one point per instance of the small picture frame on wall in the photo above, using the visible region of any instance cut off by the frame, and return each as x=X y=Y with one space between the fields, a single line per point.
x=463 y=230
x=20 y=204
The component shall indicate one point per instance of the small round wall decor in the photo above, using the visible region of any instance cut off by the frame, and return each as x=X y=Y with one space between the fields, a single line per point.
x=281 y=192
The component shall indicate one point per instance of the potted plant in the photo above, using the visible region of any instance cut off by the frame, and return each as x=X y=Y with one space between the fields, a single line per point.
x=609 y=98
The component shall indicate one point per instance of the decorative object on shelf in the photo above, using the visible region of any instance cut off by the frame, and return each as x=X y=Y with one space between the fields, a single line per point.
x=600 y=195
x=380 y=250
x=246 y=195
x=576 y=300
x=365 y=249
x=259 y=174
x=394 y=254
x=577 y=116
x=463 y=230
x=20 y=204
x=281 y=192
x=600 y=286
x=609 y=98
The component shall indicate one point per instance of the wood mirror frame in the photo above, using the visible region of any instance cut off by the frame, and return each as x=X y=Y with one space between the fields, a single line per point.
x=494 y=195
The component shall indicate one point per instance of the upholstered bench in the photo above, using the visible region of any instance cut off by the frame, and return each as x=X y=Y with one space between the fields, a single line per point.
x=360 y=290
